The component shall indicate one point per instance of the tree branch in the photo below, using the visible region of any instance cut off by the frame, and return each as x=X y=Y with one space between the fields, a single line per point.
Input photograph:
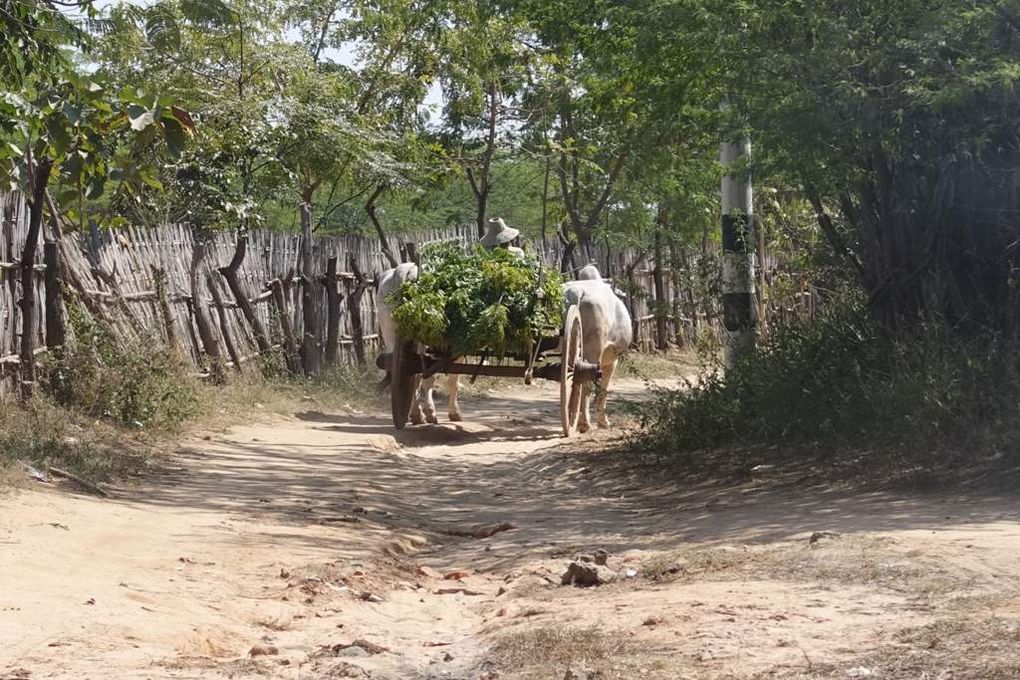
x=370 y=208
x=614 y=174
x=833 y=236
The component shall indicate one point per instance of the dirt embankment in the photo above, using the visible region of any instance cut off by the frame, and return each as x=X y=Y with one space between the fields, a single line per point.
x=328 y=545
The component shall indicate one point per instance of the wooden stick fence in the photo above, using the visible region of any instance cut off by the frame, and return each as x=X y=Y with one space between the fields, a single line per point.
x=224 y=300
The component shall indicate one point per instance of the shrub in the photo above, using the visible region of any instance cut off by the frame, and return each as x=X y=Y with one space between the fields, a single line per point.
x=136 y=383
x=840 y=380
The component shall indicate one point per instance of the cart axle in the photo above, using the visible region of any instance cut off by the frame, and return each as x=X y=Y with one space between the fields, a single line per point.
x=584 y=372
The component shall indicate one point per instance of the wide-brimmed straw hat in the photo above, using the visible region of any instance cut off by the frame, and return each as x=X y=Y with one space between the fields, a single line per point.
x=497 y=233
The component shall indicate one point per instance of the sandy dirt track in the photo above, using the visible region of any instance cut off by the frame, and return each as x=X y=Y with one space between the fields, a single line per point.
x=308 y=533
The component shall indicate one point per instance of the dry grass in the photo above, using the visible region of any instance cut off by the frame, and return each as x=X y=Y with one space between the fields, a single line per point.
x=275 y=622
x=100 y=449
x=660 y=365
x=548 y=652
x=42 y=434
x=956 y=648
x=857 y=560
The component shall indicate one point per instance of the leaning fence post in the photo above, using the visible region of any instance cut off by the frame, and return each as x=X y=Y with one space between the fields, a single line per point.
x=221 y=314
x=209 y=342
x=165 y=312
x=289 y=344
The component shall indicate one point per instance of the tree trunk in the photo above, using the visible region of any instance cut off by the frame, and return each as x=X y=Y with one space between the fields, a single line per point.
x=739 y=310
x=311 y=350
x=384 y=244
x=545 y=203
x=40 y=179
x=661 y=303
x=482 y=187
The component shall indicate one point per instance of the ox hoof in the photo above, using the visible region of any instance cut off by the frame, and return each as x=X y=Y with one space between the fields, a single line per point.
x=431 y=418
x=456 y=417
x=583 y=427
x=417 y=417
x=604 y=423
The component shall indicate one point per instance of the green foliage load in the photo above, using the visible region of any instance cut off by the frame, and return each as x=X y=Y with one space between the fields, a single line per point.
x=473 y=302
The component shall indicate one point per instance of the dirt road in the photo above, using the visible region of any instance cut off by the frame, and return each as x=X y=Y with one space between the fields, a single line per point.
x=323 y=539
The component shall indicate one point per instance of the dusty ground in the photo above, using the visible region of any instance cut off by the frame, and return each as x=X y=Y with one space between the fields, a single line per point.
x=306 y=534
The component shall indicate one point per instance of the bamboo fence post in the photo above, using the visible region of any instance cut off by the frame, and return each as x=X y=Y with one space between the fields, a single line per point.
x=289 y=344
x=354 y=309
x=333 y=300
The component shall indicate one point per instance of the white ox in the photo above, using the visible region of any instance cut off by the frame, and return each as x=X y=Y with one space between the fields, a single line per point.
x=423 y=408
x=607 y=334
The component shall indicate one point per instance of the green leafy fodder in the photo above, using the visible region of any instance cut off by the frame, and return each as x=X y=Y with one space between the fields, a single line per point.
x=477 y=301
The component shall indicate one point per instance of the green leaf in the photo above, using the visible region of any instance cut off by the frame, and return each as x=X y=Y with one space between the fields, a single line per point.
x=208 y=12
x=148 y=176
x=67 y=197
x=176 y=139
x=95 y=187
x=161 y=28
x=58 y=134
x=73 y=113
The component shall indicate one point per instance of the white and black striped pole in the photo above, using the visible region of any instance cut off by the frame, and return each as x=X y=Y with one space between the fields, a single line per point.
x=740 y=313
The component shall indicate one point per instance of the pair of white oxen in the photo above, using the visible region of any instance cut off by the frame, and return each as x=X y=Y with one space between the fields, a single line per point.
x=607 y=334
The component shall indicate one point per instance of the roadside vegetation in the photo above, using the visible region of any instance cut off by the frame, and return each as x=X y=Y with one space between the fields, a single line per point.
x=111 y=409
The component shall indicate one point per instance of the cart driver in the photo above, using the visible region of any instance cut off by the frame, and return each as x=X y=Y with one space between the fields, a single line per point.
x=498 y=235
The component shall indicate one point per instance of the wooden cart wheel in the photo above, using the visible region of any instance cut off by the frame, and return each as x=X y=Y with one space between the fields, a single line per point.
x=570 y=394
x=402 y=383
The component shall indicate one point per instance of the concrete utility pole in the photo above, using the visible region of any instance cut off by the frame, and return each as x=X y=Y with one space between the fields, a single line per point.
x=740 y=313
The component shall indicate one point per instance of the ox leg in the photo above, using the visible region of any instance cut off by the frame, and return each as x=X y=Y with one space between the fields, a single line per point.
x=453 y=384
x=417 y=416
x=584 y=417
x=608 y=368
x=591 y=356
x=428 y=387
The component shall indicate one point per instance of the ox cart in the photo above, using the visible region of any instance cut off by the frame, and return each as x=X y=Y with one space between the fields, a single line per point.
x=557 y=358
